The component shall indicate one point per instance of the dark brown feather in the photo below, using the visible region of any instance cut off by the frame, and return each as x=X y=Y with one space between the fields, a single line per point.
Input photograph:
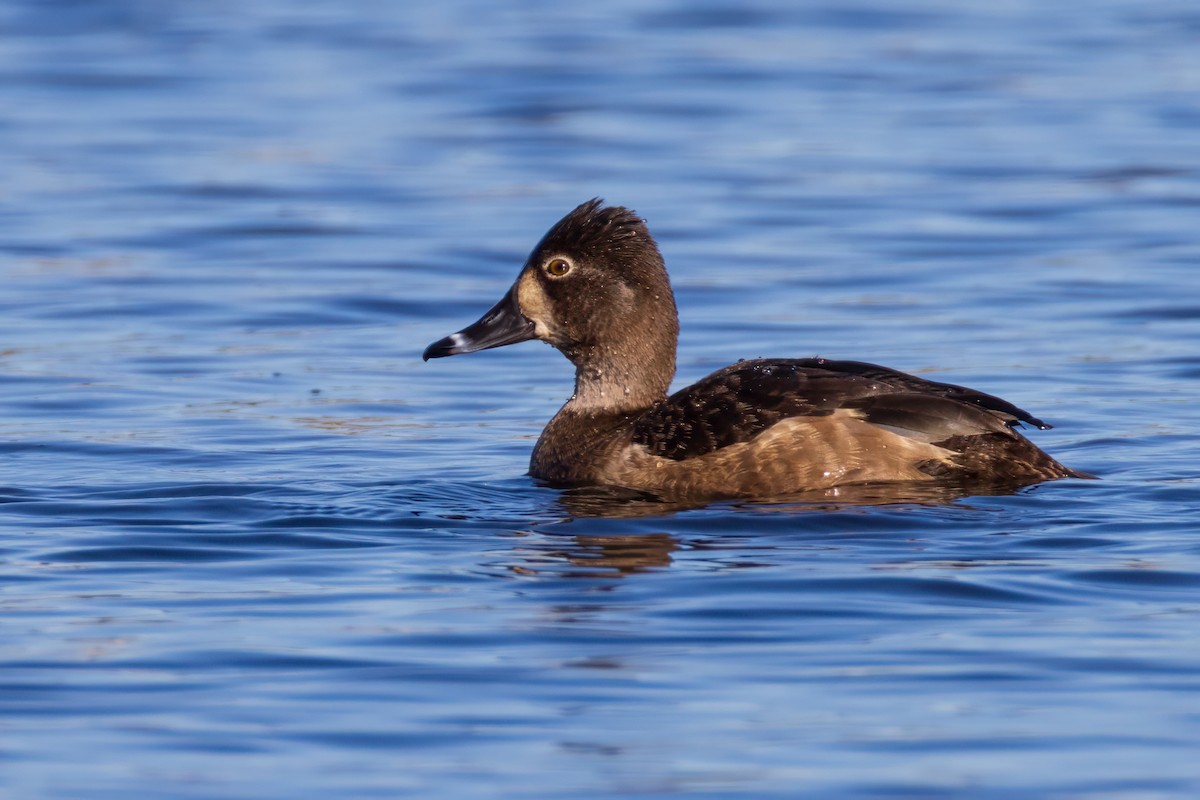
x=738 y=402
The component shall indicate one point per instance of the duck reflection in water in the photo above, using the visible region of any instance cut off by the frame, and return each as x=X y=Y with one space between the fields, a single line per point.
x=618 y=503
x=596 y=556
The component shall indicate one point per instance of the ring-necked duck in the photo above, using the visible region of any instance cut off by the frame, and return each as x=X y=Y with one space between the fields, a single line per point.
x=595 y=288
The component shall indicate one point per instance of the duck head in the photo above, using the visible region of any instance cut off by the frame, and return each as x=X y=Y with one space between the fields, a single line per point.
x=595 y=288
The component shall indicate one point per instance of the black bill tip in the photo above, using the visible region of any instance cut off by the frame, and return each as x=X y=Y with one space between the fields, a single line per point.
x=452 y=345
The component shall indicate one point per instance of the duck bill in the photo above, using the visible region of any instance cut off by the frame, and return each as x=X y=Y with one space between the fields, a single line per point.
x=503 y=324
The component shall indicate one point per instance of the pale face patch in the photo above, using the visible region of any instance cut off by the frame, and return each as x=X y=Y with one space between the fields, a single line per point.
x=534 y=305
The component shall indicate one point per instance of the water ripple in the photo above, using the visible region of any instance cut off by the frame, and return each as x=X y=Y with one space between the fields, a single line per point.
x=248 y=539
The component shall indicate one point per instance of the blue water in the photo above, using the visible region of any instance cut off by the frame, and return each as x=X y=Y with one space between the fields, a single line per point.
x=251 y=546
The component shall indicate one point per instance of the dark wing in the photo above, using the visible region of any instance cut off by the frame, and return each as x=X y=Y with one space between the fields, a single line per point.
x=737 y=403
x=903 y=382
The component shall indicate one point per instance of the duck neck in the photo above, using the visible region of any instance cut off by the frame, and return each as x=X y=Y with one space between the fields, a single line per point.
x=608 y=383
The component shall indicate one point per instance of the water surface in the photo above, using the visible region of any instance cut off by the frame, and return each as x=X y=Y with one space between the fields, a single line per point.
x=252 y=546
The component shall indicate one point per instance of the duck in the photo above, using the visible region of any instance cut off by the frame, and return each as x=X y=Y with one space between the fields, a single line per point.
x=596 y=289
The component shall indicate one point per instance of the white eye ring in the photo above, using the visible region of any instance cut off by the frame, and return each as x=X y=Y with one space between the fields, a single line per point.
x=557 y=267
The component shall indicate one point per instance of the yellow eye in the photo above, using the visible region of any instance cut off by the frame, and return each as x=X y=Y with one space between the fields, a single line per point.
x=558 y=267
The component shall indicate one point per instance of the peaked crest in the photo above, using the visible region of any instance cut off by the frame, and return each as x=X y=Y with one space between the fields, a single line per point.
x=595 y=230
